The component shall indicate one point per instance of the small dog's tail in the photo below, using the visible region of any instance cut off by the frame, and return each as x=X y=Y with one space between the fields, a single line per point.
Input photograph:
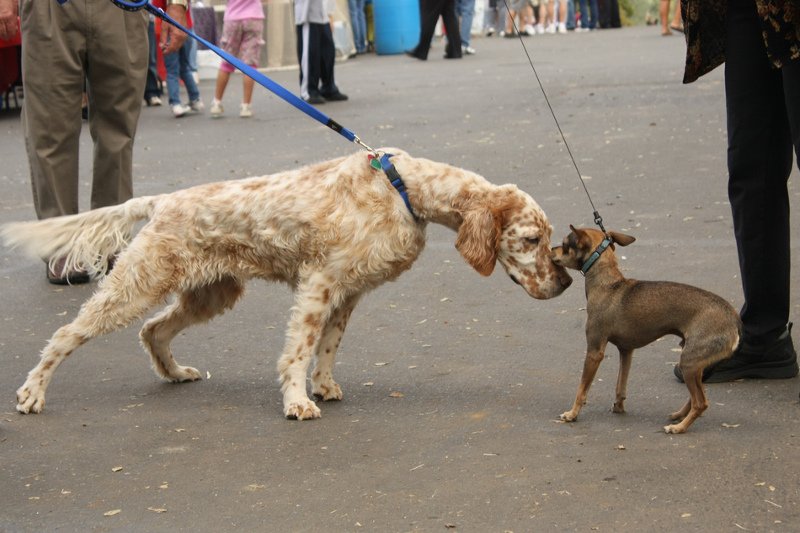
x=86 y=240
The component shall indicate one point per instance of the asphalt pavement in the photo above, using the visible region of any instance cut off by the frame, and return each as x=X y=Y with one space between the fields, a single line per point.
x=453 y=383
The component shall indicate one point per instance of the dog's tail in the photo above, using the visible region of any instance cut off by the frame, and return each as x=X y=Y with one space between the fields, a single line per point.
x=86 y=240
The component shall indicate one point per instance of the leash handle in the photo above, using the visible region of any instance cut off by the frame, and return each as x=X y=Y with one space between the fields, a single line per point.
x=275 y=88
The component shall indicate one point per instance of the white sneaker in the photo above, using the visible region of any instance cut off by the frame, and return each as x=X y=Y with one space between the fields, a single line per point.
x=562 y=27
x=539 y=29
x=551 y=28
x=245 y=111
x=468 y=50
x=216 y=108
x=197 y=105
x=528 y=29
x=180 y=110
x=153 y=101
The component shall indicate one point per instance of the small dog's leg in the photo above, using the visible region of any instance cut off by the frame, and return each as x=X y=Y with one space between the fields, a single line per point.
x=313 y=307
x=115 y=305
x=697 y=401
x=322 y=384
x=682 y=412
x=625 y=359
x=590 y=365
x=192 y=306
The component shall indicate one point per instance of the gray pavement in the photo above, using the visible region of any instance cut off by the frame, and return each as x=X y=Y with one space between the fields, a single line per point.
x=453 y=383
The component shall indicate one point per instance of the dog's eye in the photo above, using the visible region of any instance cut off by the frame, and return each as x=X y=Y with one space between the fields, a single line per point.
x=534 y=241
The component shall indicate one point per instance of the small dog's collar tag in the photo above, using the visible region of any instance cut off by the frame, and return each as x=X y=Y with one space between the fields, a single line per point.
x=595 y=255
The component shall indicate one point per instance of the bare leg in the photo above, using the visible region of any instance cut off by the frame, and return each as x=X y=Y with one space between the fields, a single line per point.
x=323 y=385
x=193 y=306
x=625 y=359
x=247 y=89
x=222 y=83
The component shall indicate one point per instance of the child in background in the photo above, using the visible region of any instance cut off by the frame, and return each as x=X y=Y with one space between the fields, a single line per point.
x=242 y=37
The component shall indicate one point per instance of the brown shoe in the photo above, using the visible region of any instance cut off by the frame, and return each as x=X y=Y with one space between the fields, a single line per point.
x=57 y=275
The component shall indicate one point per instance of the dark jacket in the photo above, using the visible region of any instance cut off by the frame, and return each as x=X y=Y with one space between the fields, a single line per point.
x=704 y=23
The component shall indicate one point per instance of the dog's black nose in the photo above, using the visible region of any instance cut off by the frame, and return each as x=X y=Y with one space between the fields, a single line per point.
x=514 y=279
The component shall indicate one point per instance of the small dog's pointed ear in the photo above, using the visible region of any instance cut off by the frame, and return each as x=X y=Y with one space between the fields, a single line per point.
x=478 y=240
x=621 y=238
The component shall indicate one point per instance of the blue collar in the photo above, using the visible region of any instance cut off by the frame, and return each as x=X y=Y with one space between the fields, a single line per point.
x=595 y=255
x=396 y=181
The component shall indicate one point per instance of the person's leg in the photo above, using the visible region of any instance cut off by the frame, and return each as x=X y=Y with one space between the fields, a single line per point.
x=53 y=60
x=759 y=164
x=173 y=69
x=584 y=14
x=327 y=60
x=186 y=73
x=309 y=60
x=252 y=42
x=117 y=72
x=663 y=14
x=594 y=24
x=152 y=85
x=450 y=20
x=429 y=15
x=465 y=10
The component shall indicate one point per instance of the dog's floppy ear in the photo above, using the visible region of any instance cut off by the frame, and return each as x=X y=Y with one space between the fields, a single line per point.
x=621 y=238
x=478 y=239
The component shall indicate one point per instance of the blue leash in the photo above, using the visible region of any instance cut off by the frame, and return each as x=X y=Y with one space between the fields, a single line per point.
x=386 y=165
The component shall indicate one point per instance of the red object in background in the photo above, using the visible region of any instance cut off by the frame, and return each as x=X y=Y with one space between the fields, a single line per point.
x=9 y=61
x=15 y=41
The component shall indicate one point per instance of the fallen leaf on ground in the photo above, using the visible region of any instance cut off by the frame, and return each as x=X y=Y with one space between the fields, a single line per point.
x=112 y=513
x=396 y=394
x=157 y=509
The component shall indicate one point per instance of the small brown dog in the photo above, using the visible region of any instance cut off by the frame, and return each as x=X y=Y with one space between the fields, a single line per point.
x=631 y=314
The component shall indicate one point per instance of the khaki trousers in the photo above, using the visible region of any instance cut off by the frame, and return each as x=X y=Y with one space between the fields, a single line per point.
x=63 y=46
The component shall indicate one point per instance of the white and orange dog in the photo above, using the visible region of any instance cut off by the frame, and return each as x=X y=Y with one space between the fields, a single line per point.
x=332 y=231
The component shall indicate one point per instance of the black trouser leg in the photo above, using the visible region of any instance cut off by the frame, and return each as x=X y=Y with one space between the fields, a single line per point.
x=759 y=163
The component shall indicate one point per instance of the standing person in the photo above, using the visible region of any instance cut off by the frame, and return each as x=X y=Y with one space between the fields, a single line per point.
x=316 y=52
x=152 y=87
x=358 y=20
x=466 y=11
x=177 y=65
x=589 y=14
x=759 y=42
x=61 y=40
x=242 y=37
x=429 y=13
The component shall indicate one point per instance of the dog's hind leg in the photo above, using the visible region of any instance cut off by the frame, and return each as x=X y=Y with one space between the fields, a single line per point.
x=693 y=377
x=193 y=306
x=123 y=297
x=322 y=384
x=625 y=360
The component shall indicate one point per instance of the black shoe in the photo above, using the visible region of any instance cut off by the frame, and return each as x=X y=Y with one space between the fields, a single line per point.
x=58 y=276
x=453 y=56
x=775 y=360
x=412 y=53
x=314 y=99
x=335 y=97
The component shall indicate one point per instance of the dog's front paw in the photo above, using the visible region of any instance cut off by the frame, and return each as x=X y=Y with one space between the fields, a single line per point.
x=569 y=416
x=184 y=373
x=30 y=398
x=302 y=410
x=674 y=429
x=328 y=391
x=619 y=407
